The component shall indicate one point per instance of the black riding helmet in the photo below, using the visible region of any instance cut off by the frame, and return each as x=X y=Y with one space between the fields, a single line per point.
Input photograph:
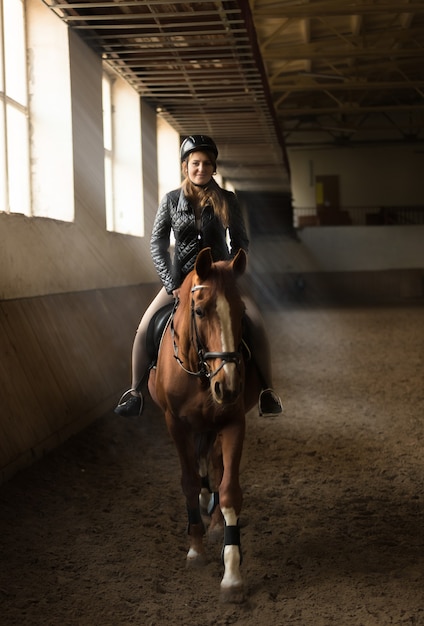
x=197 y=142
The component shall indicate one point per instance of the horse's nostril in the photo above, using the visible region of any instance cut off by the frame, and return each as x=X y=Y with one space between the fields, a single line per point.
x=223 y=395
x=218 y=390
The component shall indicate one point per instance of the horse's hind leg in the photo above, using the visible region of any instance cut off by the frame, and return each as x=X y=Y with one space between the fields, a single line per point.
x=211 y=469
x=196 y=530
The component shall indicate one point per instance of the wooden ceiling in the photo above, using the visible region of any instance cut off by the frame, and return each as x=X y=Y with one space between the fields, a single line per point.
x=267 y=76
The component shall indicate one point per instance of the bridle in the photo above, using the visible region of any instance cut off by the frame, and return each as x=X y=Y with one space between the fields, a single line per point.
x=203 y=354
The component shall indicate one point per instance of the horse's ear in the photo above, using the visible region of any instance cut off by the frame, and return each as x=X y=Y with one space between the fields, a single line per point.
x=203 y=263
x=239 y=262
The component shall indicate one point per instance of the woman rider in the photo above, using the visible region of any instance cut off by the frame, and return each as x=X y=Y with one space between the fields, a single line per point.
x=200 y=214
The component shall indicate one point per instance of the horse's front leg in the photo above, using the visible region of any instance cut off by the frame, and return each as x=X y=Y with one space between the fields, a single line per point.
x=191 y=486
x=231 y=498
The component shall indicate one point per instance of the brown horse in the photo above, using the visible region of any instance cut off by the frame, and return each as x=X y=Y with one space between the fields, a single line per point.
x=205 y=382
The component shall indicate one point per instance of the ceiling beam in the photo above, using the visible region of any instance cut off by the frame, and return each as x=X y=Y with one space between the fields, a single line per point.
x=324 y=52
x=350 y=109
x=122 y=3
x=276 y=10
x=138 y=17
x=349 y=85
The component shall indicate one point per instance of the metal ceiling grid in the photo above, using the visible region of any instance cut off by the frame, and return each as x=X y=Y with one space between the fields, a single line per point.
x=343 y=72
x=263 y=76
x=195 y=63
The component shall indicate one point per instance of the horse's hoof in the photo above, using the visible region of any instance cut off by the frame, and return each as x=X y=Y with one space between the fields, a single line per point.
x=232 y=595
x=195 y=560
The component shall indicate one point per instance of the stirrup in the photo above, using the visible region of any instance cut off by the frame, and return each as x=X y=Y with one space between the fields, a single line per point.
x=129 y=407
x=274 y=407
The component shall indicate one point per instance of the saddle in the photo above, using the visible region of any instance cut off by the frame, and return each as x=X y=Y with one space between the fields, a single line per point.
x=160 y=320
x=156 y=329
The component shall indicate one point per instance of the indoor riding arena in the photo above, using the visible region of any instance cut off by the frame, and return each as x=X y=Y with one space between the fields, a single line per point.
x=331 y=527
x=321 y=139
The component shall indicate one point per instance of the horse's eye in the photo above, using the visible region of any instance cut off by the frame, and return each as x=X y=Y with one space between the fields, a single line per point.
x=199 y=312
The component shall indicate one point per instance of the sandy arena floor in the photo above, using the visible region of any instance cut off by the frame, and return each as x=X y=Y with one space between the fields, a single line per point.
x=332 y=525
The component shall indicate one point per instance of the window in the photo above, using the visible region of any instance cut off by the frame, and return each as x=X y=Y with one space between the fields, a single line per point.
x=14 y=136
x=50 y=113
x=169 y=168
x=34 y=43
x=107 y=142
x=122 y=156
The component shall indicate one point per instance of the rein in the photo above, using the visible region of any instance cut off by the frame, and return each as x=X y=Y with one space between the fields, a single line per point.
x=203 y=354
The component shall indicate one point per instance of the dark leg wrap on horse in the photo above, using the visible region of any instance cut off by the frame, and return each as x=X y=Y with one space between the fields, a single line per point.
x=194 y=519
x=232 y=538
x=231 y=535
x=205 y=483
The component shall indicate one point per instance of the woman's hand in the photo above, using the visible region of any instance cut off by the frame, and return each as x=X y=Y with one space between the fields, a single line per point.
x=176 y=293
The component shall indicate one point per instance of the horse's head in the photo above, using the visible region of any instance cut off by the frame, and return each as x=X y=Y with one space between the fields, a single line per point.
x=216 y=323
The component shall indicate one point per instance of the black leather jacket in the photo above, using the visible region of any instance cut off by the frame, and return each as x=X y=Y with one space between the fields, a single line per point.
x=174 y=213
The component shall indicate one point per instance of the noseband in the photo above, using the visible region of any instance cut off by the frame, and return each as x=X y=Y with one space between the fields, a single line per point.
x=203 y=354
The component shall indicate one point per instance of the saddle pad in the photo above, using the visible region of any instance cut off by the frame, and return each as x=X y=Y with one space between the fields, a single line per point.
x=155 y=330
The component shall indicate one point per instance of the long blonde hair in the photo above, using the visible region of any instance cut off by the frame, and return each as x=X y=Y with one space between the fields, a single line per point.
x=211 y=194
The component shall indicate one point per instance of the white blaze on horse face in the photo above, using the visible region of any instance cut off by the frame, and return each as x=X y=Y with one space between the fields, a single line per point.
x=227 y=337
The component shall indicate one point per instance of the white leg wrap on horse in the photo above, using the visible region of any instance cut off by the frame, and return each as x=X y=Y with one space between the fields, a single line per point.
x=231 y=554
